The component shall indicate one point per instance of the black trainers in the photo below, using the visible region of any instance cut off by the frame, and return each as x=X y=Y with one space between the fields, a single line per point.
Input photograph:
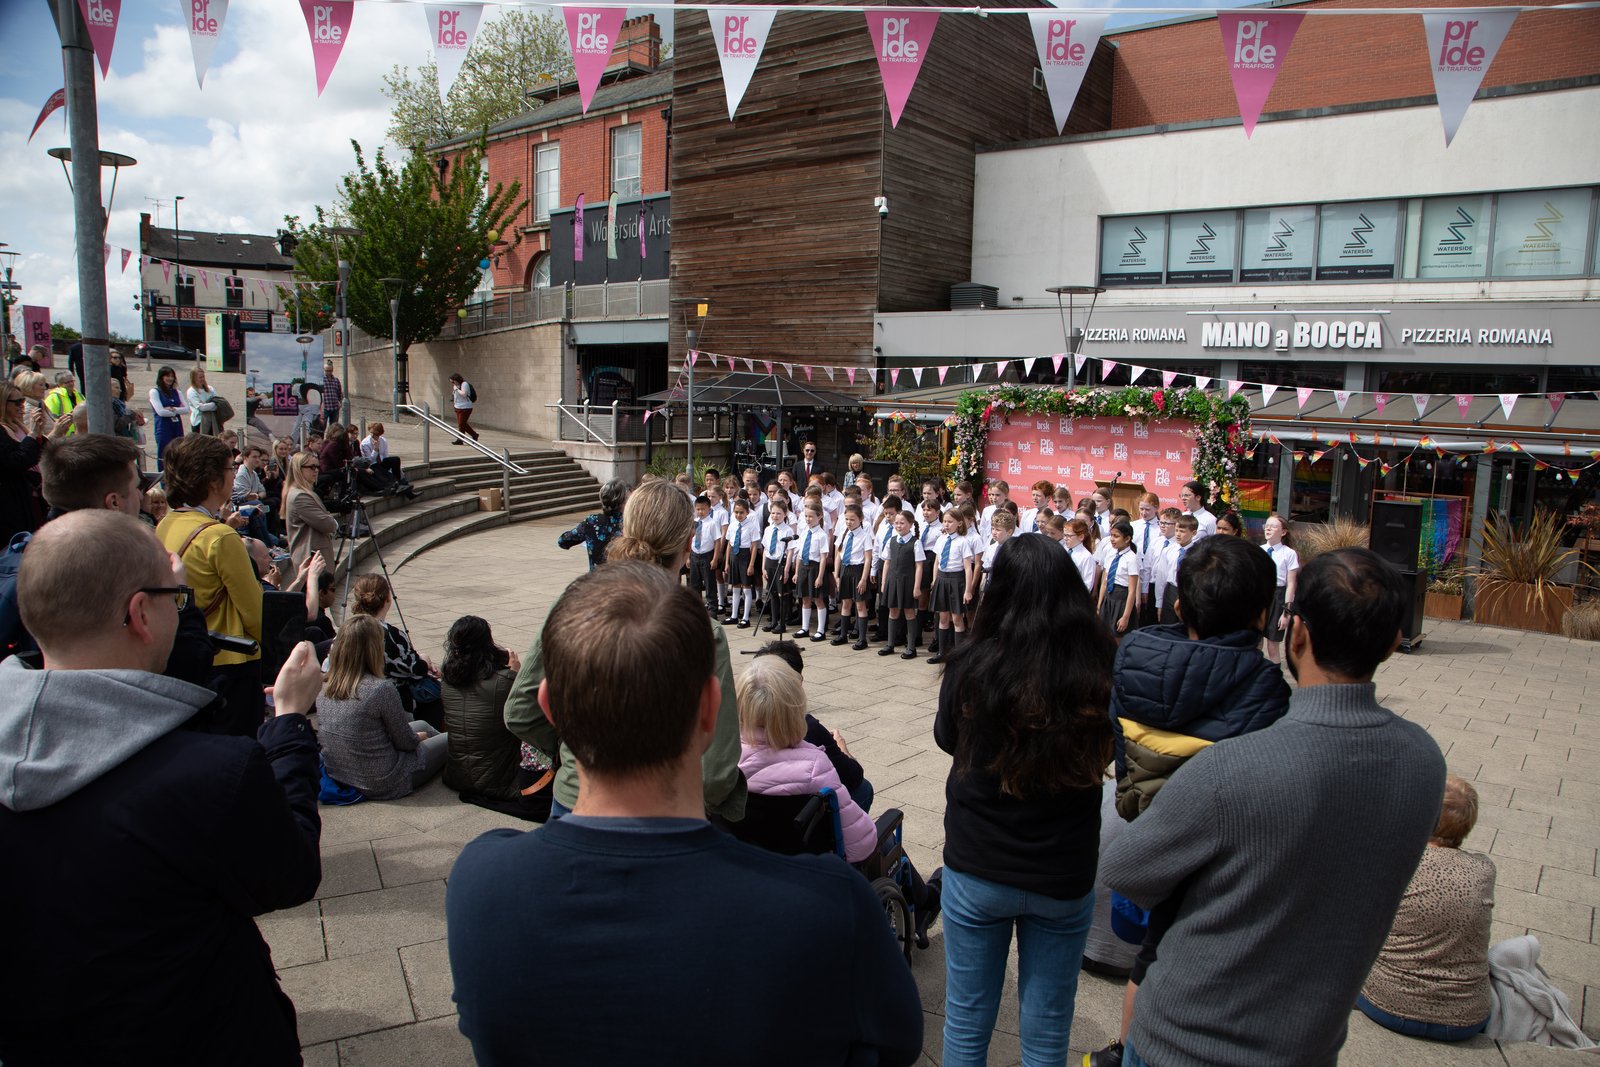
x=1110 y=1056
x=930 y=910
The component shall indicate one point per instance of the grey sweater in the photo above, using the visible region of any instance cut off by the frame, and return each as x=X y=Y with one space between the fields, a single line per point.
x=1292 y=847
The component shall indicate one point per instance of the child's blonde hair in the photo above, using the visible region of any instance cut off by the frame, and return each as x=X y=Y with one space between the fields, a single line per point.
x=772 y=700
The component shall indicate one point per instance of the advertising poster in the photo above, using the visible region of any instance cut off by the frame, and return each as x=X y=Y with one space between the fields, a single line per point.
x=1201 y=246
x=1455 y=237
x=1279 y=244
x=1541 y=233
x=1078 y=453
x=1358 y=241
x=275 y=367
x=1133 y=250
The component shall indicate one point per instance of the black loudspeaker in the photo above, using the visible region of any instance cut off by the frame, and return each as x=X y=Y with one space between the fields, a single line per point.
x=1396 y=532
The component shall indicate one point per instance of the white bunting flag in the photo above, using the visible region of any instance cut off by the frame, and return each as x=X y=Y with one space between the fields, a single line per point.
x=1000 y=368
x=1167 y=378
x=204 y=18
x=1233 y=387
x=1055 y=360
x=749 y=364
x=1507 y=402
x=1080 y=360
x=1461 y=46
x=1202 y=382
x=1066 y=41
x=788 y=368
x=741 y=34
x=830 y=373
x=1267 y=390
x=1341 y=397
x=1134 y=373
x=916 y=375
x=943 y=371
x=1027 y=365
x=451 y=28
x=1421 y=400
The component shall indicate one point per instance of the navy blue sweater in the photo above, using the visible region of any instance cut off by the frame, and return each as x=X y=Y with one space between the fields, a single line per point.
x=668 y=942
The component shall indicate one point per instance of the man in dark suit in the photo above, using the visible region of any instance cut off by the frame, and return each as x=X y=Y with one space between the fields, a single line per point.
x=807 y=466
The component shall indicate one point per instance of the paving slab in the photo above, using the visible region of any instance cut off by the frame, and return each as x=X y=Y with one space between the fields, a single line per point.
x=437 y=1043
x=349 y=996
x=294 y=935
x=384 y=919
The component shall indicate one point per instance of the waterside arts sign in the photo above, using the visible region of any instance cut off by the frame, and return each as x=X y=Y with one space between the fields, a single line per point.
x=1079 y=453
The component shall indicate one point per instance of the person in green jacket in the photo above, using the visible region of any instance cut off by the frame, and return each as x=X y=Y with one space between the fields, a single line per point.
x=657 y=524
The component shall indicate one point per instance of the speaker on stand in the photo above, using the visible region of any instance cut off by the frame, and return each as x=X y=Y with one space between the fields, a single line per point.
x=1396 y=536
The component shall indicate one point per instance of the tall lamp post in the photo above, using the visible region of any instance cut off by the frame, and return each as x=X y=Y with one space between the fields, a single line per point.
x=398 y=286
x=1071 y=332
x=342 y=312
x=7 y=299
x=695 y=313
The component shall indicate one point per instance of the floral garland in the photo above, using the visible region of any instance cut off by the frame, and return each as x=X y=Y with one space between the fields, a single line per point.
x=1221 y=424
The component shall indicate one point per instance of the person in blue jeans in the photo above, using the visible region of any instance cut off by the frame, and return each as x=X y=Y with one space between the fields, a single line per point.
x=1022 y=801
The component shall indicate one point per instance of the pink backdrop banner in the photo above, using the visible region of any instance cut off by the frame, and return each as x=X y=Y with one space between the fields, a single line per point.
x=35 y=326
x=1256 y=45
x=102 y=16
x=328 y=23
x=1461 y=46
x=1077 y=453
x=1066 y=48
x=900 y=39
x=591 y=31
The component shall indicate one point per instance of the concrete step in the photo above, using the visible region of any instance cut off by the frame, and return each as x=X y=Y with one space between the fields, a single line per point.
x=406 y=549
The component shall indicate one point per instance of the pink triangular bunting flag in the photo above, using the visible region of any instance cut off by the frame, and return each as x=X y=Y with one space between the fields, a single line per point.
x=1463 y=402
x=1167 y=378
x=102 y=17
x=694 y=357
x=1233 y=387
x=767 y=365
x=900 y=40
x=1380 y=401
x=1556 y=400
x=1507 y=402
x=1106 y=367
x=591 y=34
x=850 y=375
x=328 y=22
x=1055 y=361
x=807 y=368
x=1267 y=391
x=107 y=255
x=1256 y=44
x=166 y=271
x=127 y=254
x=1341 y=397
x=53 y=102
x=942 y=372
x=1304 y=394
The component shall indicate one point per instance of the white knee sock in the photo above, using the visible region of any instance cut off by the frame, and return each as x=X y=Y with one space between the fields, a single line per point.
x=822 y=619
x=805 y=617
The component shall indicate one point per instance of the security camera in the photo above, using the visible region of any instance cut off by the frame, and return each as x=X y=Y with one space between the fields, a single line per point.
x=882 y=204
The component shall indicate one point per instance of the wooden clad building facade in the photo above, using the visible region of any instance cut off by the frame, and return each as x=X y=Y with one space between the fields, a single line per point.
x=774 y=220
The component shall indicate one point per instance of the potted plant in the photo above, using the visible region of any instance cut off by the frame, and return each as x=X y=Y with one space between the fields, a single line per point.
x=1515 y=582
x=1445 y=595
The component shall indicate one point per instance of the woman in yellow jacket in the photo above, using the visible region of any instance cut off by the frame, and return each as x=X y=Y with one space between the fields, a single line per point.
x=199 y=477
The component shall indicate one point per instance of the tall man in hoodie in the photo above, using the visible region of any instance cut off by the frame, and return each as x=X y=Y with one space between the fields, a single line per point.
x=138 y=851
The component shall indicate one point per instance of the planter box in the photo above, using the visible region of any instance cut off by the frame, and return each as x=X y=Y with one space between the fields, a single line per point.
x=1514 y=606
x=1442 y=606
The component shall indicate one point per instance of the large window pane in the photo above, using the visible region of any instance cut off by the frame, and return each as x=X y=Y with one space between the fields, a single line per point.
x=547 y=180
x=626 y=147
x=1132 y=250
x=1455 y=237
x=1541 y=233
x=1358 y=240
x=1201 y=247
x=1279 y=244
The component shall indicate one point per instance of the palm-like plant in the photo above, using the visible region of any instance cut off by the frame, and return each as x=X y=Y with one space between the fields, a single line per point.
x=1529 y=557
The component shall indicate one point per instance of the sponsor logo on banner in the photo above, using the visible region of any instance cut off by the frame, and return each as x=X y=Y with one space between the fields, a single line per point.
x=102 y=17
x=328 y=22
x=205 y=18
x=591 y=32
x=900 y=39
x=741 y=34
x=1066 y=48
x=1461 y=47
x=35 y=326
x=451 y=28
x=1257 y=44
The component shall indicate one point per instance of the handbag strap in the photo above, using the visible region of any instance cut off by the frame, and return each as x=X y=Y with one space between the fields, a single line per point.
x=198 y=530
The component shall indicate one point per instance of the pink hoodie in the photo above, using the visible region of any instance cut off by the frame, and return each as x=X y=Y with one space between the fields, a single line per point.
x=802 y=771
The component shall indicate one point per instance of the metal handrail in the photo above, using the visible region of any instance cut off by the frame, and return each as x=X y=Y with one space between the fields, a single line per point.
x=430 y=419
x=581 y=417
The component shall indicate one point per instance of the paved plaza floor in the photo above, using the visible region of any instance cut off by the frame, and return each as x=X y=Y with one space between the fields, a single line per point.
x=1517 y=713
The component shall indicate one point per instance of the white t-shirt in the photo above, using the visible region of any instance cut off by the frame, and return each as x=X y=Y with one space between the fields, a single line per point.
x=1284 y=560
x=461 y=396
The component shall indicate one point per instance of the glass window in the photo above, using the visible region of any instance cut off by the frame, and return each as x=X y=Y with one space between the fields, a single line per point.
x=1279 y=244
x=183 y=291
x=234 y=292
x=1132 y=250
x=541 y=271
x=1295 y=372
x=626 y=153
x=546 y=180
x=1442 y=380
x=1541 y=233
x=1455 y=237
x=1358 y=241
x=1201 y=247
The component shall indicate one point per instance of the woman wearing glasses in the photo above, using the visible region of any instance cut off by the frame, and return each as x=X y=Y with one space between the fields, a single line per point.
x=21 y=506
x=309 y=525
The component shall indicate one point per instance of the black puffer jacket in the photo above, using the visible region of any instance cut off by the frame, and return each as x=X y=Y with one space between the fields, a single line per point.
x=1175 y=696
x=484 y=755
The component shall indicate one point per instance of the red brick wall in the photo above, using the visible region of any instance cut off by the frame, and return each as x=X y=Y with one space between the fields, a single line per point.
x=1170 y=74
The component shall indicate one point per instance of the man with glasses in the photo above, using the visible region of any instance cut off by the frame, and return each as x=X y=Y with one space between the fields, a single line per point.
x=139 y=850
x=807 y=465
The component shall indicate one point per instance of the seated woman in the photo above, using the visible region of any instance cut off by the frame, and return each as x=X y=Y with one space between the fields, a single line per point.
x=368 y=741
x=403 y=665
x=375 y=447
x=485 y=757
x=1432 y=978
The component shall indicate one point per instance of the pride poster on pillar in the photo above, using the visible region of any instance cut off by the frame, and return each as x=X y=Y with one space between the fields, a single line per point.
x=1080 y=453
x=591 y=31
x=205 y=18
x=900 y=39
x=741 y=35
x=328 y=22
x=1256 y=45
x=1066 y=48
x=1461 y=46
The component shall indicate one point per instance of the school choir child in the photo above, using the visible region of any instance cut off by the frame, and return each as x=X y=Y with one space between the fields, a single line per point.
x=1119 y=593
x=871 y=506
x=963 y=493
x=774 y=550
x=1101 y=500
x=1053 y=527
x=1287 y=562
x=1001 y=527
x=1041 y=494
x=1075 y=534
x=850 y=573
x=1165 y=563
x=882 y=534
x=743 y=535
x=930 y=526
x=1147 y=542
x=999 y=492
x=807 y=551
x=934 y=491
x=903 y=568
x=793 y=492
x=832 y=498
x=1061 y=502
x=719 y=514
x=955 y=573
x=703 y=552
x=896 y=487
x=711 y=477
x=1186 y=530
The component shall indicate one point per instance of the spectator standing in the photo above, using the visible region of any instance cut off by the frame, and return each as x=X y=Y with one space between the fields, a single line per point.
x=202 y=404
x=332 y=393
x=598 y=530
x=463 y=397
x=64 y=399
x=166 y=403
x=646 y=904
x=1246 y=830
x=138 y=850
x=806 y=466
x=21 y=503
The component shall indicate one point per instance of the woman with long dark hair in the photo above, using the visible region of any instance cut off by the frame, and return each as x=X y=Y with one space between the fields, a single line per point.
x=484 y=765
x=1023 y=709
x=167 y=404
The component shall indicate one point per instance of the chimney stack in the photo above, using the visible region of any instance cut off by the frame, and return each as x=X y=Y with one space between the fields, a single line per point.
x=638 y=43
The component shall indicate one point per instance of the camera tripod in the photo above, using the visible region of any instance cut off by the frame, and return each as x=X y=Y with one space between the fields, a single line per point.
x=348 y=535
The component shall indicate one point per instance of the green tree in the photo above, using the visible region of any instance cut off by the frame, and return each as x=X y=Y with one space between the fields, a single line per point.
x=60 y=331
x=513 y=54
x=427 y=232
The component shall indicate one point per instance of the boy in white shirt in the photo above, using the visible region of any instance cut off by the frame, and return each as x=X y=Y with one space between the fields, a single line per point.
x=703 y=552
x=744 y=533
x=1187 y=531
x=1001 y=526
x=1146 y=540
x=1028 y=518
x=1165 y=561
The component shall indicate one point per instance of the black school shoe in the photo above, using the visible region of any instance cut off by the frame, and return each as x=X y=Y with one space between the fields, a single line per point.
x=1110 y=1056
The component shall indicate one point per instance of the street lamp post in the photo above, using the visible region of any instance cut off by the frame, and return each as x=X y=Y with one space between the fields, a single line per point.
x=691 y=338
x=6 y=300
x=342 y=311
x=394 y=341
x=177 y=271
x=1071 y=332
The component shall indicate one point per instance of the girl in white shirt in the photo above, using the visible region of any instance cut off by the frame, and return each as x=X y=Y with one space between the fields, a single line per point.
x=806 y=554
x=1286 y=562
x=953 y=581
x=774 y=547
x=742 y=536
x=1073 y=536
x=1119 y=594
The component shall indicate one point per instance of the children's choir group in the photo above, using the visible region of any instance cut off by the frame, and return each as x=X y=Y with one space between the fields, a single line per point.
x=782 y=556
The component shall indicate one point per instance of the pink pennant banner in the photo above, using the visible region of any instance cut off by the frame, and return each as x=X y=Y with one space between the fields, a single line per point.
x=1106 y=367
x=102 y=18
x=1167 y=378
x=850 y=375
x=166 y=271
x=1303 y=394
x=1256 y=44
x=1233 y=387
x=56 y=101
x=577 y=230
x=1055 y=361
x=1201 y=382
x=1066 y=48
x=694 y=357
x=107 y=256
x=1556 y=400
x=1421 y=400
x=807 y=368
x=946 y=370
x=1463 y=402
x=1267 y=392
x=767 y=365
x=1507 y=402
x=591 y=32
x=900 y=39
x=1461 y=46
x=328 y=22
x=1380 y=401
x=127 y=253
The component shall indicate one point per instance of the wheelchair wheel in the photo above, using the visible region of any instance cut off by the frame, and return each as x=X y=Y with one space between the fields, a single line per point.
x=894 y=907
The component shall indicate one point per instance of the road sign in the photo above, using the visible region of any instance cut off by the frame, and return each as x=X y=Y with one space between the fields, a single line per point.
x=10 y=285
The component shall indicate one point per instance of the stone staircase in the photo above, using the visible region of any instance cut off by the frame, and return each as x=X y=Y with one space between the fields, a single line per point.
x=447 y=507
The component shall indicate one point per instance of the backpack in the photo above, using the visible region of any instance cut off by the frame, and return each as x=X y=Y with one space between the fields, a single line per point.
x=14 y=638
x=472 y=394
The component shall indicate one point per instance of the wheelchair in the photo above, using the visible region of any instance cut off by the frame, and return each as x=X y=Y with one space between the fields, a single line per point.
x=809 y=825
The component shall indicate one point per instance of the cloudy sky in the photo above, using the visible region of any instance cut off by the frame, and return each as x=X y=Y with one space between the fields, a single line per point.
x=257 y=143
